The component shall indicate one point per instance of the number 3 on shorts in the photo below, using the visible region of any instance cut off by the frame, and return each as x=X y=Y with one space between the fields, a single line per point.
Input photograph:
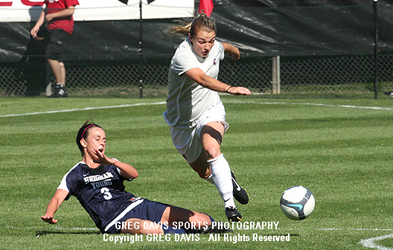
x=107 y=194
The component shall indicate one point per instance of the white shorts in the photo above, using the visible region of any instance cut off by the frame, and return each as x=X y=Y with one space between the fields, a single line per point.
x=188 y=142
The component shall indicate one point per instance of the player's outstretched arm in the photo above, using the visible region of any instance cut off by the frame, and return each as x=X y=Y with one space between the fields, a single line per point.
x=232 y=51
x=197 y=75
x=238 y=91
x=126 y=170
x=54 y=205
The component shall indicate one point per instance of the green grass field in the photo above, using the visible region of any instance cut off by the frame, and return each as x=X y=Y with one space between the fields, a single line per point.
x=341 y=149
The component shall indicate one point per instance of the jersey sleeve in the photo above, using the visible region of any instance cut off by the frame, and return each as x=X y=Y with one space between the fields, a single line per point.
x=69 y=182
x=182 y=62
x=221 y=49
x=63 y=184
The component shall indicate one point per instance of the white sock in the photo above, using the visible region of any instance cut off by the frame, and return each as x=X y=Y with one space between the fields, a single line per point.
x=221 y=175
x=60 y=85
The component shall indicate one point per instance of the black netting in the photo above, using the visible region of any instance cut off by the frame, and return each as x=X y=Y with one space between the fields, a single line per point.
x=313 y=74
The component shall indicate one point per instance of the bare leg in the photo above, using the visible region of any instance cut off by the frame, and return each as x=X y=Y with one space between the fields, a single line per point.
x=137 y=226
x=211 y=136
x=173 y=215
x=56 y=69
x=62 y=73
x=201 y=166
x=59 y=71
x=212 y=162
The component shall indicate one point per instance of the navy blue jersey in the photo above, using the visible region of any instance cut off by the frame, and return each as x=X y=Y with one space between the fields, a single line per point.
x=100 y=191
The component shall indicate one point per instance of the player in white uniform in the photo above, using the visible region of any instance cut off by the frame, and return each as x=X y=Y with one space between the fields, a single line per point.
x=195 y=113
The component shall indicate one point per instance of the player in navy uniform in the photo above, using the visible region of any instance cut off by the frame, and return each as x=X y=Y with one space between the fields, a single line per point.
x=97 y=182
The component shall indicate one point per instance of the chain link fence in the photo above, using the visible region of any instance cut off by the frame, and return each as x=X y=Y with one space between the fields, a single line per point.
x=339 y=74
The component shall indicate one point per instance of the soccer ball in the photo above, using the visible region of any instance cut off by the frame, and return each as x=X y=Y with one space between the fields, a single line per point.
x=297 y=203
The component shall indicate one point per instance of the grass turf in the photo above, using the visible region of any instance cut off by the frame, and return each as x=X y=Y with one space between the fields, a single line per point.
x=339 y=149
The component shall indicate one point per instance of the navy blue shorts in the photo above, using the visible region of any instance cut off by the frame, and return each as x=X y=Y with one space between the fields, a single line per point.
x=147 y=210
x=55 y=45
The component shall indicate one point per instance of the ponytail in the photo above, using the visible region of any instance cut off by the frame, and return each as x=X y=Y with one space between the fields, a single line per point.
x=200 y=22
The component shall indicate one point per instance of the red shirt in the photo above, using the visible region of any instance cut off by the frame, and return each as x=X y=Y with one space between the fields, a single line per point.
x=66 y=24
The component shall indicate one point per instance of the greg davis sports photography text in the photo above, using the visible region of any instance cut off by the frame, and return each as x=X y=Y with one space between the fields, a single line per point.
x=241 y=233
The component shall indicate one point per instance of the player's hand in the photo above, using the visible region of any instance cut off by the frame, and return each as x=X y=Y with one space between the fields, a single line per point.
x=231 y=51
x=234 y=57
x=49 y=219
x=239 y=91
x=102 y=158
x=34 y=31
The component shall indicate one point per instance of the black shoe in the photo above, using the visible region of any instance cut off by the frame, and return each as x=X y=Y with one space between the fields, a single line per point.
x=60 y=91
x=216 y=228
x=238 y=192
x=63 y=92
x=232 y=214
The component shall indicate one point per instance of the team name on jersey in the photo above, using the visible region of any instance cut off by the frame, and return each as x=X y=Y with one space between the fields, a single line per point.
x=98 y=181
x=95 y=178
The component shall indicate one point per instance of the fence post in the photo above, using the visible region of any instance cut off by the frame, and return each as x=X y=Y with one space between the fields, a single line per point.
x=48 y=79
x=140 y=51
x=276 y=75
x=375 y=5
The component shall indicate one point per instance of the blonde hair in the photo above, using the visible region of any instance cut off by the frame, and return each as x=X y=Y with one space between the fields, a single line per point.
x=200 y=22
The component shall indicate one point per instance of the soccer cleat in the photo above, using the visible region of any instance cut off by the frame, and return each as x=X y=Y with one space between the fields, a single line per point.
x=238 y=192
x=216 y=228
x=232 y=214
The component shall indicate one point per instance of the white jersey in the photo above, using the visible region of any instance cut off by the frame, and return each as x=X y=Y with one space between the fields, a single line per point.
x=187 y=100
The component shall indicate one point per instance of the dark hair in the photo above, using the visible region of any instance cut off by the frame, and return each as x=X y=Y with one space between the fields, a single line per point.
x=200 y=22
x=84 y=132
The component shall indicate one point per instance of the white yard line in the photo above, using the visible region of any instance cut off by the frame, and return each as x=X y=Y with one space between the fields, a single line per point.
x=82 y=109
x=370 y=243
x=56 y=228
x=355 y=229
x=313 y=104
x=225 y=101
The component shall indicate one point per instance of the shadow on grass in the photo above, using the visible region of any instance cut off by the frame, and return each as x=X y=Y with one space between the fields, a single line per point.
x=44 y=232
x=279 y=235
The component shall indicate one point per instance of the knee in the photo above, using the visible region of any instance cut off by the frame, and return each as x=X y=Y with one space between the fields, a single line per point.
x=200 y=219
x=141 y=227
x=212 y=151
